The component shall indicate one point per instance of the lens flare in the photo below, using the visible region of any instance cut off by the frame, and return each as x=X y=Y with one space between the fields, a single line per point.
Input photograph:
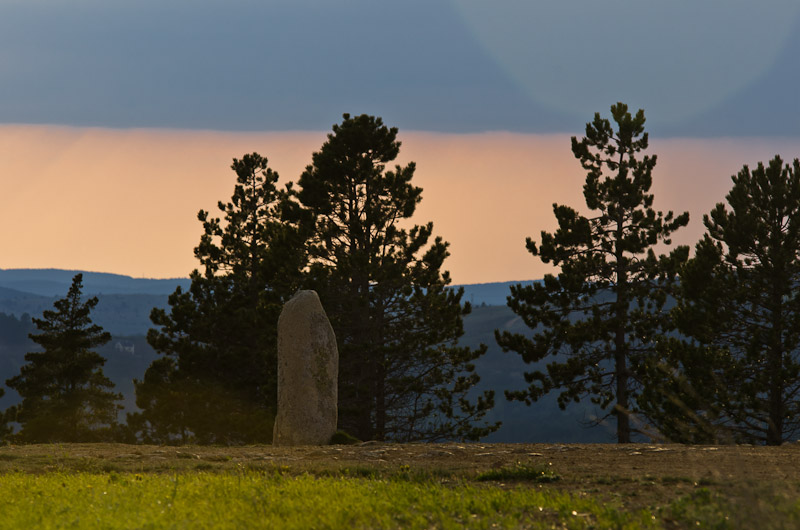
x=675 y=59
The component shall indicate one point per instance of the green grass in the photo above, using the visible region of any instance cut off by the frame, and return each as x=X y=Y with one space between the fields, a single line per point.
x=701 y=509
x=520 y=472
x=64 y=488
x=276 y=499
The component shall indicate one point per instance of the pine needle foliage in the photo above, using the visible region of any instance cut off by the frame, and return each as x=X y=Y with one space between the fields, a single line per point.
x=216 y=381
x=402 y=375
x=601 y=315
x=736 y=374
x=65 y=395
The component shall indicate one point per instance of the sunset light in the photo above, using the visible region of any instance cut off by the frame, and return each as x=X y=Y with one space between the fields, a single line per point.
x=126 y=201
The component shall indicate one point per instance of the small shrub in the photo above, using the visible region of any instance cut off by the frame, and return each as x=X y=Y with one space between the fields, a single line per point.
x=359 y=472
x=343 y=438
x=111 y=468
x=411 y=474
x=520 y=472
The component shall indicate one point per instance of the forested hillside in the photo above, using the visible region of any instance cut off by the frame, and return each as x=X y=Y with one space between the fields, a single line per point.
x=128 y=355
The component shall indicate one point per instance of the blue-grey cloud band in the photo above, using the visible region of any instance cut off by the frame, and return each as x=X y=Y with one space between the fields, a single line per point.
x=456 y=66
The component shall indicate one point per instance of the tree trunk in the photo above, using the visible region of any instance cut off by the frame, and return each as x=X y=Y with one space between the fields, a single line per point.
x=620 y=347
x=774 y=371
x=622 y=406
x=380 y=401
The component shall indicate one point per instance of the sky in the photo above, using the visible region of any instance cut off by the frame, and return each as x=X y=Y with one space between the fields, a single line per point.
x=119 y=119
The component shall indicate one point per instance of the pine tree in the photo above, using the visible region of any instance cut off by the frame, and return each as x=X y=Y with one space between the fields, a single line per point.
x=603 y=312
x=735 y=376
x=216 y=381
x=65 y=395
x=402 y=376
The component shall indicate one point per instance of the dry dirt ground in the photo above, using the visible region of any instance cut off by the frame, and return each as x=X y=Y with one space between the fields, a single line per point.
x=635 y=475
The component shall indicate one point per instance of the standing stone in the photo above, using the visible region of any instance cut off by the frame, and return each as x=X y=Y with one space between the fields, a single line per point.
x=308 y=369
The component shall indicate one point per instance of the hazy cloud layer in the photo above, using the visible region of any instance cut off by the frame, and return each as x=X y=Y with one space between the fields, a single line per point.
x=699 y=68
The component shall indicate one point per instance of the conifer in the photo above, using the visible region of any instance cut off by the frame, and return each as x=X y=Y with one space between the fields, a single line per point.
x=599 y=318
x=65 y=395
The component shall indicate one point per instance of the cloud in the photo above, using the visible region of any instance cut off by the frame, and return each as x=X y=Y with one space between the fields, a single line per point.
x=441 y=65
x=247 y=65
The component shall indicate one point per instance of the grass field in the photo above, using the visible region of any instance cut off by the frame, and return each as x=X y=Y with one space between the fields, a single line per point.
x=277 y=500
x=386 y=486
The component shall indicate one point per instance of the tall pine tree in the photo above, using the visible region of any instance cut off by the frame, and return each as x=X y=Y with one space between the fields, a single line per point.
x=216 y=379
x=65 y=395
x=736 y=374
x=402 y=376
x=604 y=310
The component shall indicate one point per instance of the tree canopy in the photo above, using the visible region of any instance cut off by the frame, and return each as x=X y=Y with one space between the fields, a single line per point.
x=601 y=314
x=65 y=395
x=216 y=380
x=735 y=373
x=402 y=375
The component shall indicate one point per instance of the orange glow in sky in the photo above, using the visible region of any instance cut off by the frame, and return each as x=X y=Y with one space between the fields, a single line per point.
x=126 y=201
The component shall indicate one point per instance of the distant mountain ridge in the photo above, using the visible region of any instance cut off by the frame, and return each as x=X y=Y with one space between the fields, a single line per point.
x=126 y=302
x=495 y=293
x=56 y=282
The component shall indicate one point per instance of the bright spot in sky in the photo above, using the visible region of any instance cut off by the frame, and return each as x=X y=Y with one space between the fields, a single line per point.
x=673 y=58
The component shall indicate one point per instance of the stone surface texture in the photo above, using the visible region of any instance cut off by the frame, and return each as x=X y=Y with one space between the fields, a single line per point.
x=308 y=369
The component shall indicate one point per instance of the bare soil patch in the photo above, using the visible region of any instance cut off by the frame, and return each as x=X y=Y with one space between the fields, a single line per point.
x=635 y=475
